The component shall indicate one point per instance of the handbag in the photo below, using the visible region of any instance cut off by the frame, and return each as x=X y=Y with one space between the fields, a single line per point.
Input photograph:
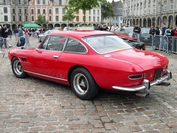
x=18 y=43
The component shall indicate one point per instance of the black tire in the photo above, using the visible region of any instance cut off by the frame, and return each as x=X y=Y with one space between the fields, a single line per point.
x=17 y=68
x=83 y=84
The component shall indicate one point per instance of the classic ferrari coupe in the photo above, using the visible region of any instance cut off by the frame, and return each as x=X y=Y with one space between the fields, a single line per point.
x=89 y=61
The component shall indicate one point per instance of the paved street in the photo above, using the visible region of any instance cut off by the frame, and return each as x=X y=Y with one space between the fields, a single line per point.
x=34 y=105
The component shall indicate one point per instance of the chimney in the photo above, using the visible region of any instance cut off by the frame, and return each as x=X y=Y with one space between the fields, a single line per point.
x=112 y=2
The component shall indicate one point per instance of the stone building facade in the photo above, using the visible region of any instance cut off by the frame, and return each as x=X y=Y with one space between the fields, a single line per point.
x=146 y=13
x=17 y=12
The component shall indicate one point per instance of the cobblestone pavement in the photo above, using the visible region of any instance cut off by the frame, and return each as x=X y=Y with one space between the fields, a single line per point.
x=33 y=105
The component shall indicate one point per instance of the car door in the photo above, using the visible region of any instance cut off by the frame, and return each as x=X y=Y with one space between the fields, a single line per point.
x=43 y=61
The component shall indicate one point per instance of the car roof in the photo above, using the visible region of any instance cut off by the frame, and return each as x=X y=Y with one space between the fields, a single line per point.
x=81 y=33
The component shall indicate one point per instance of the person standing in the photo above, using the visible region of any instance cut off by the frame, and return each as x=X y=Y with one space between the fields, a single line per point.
x=152 y=30
x=157 y=38
x=168 y=32
x=4 y=32
x=21 y=35
x=174 y=35
x=163 y=44
x=137 y=31
x=1 y=39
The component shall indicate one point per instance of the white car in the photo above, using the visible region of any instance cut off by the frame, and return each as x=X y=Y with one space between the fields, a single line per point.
x=43 y=35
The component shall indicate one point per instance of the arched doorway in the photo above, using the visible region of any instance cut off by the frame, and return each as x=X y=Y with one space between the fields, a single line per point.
x=149 y=22
x=144 y=22
x=50 y=26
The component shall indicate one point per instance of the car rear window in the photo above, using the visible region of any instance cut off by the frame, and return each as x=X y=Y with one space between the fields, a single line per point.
x=106 y=43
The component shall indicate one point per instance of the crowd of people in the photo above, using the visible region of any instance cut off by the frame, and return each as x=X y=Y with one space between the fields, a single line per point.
x=22 y=35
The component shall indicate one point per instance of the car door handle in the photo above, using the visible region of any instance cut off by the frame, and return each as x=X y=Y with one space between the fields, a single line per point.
x=55 y=56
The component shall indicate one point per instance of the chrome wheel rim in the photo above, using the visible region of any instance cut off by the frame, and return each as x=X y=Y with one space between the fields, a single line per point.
x=80 y=84
x=17 y=67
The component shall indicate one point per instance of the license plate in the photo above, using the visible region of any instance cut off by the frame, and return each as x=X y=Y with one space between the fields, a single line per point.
x=158 y=73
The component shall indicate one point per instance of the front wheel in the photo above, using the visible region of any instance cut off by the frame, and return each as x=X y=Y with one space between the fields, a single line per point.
x=83 y=84
x=17 y=68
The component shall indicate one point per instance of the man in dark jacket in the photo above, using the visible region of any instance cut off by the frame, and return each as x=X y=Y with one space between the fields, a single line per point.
x=137 y=31
x=152 y=30
x=163 y=44
x=4 y=32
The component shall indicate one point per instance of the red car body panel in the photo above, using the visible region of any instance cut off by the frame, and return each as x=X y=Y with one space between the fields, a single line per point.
x=108 y=70
x=123 y=36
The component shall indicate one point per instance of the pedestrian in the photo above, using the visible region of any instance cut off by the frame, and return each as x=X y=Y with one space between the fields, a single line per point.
x=152 y=30
x=174 y=35
x=4 y=32
x=1 y=39
x=157 y=38
x=21 y=35
x=168 y=34
x=16 y=34
x=163 y=42
x=9 y=33
x=136 y=32
x=27 y=44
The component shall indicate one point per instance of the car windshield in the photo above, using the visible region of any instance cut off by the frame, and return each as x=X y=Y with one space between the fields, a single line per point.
x=106 y=43
x=145 y=30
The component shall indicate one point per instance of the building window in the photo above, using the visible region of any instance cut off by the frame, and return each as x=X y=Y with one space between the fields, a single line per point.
x=32 y=18
x=5 y=18
x=38 y=2
x=50 y=12
x=19 y=2
x=63 y=10
x=60 y=2
x=50 y=18
x=4 y=2
x=93 y=19
x=13 y=10
x=165 y=6
x=43 y=11
x=13 y=18
x=171 y=4
x=44 y=18
x=77 y=18
x=89 y=11
x=32 y=11
x=56 y=11
x=5 y=9
x=38 y=11
x=98 y=12
x=93 y=12
x=43 y=2
x=98 y=19
x=19 y=11
x=89 y=19
x=26 y=11
x=56 y=18
x=26 y=18
x=20 y=18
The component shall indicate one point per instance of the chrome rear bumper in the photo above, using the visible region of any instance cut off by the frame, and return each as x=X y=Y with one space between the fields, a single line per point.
x=146 y=85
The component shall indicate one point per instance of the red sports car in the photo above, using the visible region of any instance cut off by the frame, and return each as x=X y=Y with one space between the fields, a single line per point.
x=89 y=61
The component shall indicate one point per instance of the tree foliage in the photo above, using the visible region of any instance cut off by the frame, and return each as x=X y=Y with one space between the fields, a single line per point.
x=106 y=9
x=40 y=19
x=69 y=15
x=83 y=5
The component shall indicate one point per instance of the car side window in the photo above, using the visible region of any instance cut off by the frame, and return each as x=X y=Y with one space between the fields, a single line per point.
x=74 y=45
x=55 y=43
x=44 y=45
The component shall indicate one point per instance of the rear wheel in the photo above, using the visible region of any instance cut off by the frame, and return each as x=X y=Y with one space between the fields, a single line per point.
x=17 y=68
x=83 y=84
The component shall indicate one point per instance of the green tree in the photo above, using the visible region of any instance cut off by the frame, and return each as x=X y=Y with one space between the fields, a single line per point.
x=69 y=15
x=40 y=19
x=83 y=5
x=106 y=9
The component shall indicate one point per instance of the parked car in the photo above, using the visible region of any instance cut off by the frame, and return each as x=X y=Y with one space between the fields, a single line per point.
x=41 y=36
x=89 y=61
x=145 y=37
x=132 y=41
